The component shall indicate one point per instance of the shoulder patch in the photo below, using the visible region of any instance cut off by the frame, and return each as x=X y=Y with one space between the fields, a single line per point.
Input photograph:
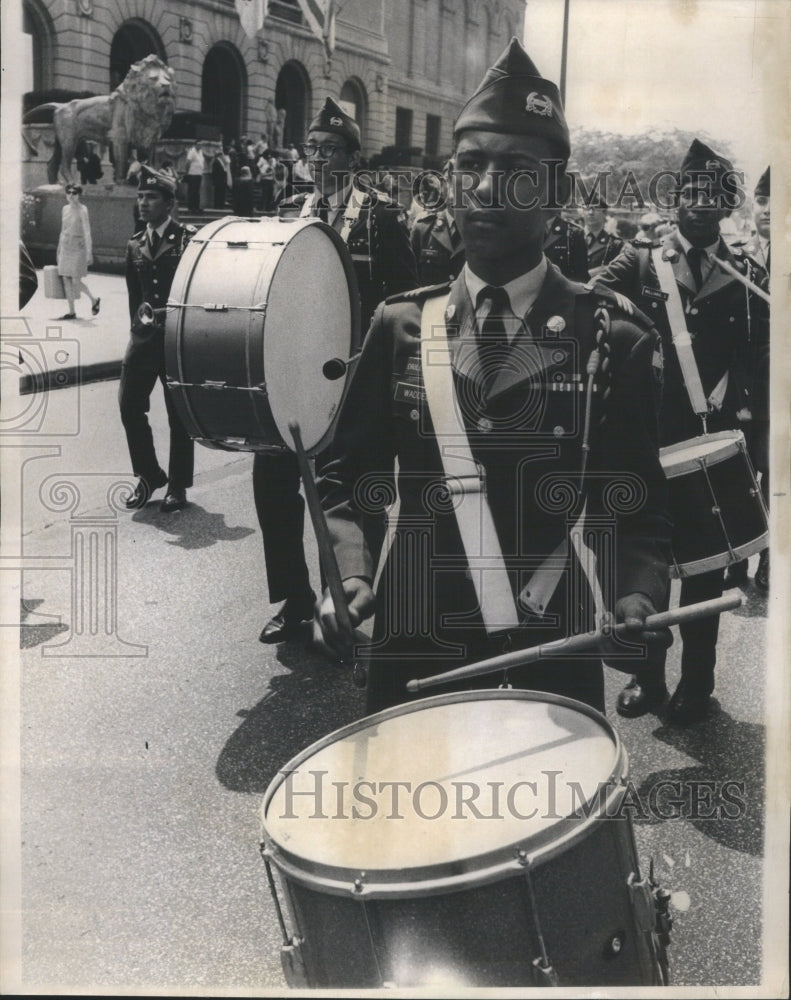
x=417 y=294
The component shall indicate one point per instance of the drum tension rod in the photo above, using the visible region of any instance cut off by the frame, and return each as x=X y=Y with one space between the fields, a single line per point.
x=544 y=971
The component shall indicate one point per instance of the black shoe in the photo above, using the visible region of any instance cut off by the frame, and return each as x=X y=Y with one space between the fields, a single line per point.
x=690 y=703
x=175 y=500
x=68 y=316
x=736 y=574
x=95 y=307
x=287 y=623
x=143 y=492
x=641 y=696
x=762 y=573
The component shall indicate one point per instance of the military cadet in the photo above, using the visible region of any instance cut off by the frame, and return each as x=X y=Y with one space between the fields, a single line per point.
x=370 y=224
x=152 y=256
x=437 y=245
x=602 y=246
x=758 y=249
x=474 y=388
x=565 y=246
x=727 y=324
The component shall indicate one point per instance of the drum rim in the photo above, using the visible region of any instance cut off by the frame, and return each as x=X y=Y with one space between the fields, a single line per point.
x=735 y=438
x=680 y=571
x=499 y=863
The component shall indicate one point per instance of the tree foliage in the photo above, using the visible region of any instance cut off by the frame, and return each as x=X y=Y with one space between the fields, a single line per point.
x=632 y=167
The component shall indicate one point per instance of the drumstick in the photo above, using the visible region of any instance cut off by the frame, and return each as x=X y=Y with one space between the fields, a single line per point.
x=326 y=551
x=576 y=643
x=730 y=269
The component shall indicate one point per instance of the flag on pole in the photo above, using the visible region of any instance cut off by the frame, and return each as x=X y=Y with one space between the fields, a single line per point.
x=320 y=15
x=251 y=15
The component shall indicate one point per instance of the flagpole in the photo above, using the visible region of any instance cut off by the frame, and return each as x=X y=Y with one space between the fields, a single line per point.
x=564 y=52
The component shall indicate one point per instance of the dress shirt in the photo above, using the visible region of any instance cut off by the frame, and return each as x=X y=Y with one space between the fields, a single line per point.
x=706 y=263
x=522 y=293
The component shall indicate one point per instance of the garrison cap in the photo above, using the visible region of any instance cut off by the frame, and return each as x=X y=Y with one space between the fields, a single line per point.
x=762 y=187
x=703 y=166
x=154 y=180
x=333 y=118
x=514 y=98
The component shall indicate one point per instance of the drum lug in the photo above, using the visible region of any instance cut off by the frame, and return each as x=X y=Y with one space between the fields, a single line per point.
x=642 y=902
x=294 y=964
x=544 y=975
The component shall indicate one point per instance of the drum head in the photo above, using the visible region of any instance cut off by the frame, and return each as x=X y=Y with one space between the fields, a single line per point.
x=308 y=322
x=442 y=786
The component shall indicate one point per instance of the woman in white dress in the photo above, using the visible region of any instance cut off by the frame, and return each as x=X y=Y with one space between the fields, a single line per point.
x=75 y=250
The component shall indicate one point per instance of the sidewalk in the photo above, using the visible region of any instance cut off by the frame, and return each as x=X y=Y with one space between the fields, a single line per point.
x=75 y=352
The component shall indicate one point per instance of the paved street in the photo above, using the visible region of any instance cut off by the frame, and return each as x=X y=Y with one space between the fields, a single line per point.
x=144 y=758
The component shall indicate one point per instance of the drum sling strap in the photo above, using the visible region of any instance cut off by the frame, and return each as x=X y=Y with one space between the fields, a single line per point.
x=465 y=476
x=682 y=340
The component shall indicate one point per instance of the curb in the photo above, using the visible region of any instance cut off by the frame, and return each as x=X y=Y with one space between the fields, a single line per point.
x=66 y=378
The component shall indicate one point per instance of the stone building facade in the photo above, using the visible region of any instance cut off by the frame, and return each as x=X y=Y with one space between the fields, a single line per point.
x=406 y=66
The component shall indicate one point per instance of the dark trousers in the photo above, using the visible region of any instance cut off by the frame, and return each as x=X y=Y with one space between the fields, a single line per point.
x=281 y=515
x=134 y=400
x=699 y=638
x=193 y=191
x=220 y=191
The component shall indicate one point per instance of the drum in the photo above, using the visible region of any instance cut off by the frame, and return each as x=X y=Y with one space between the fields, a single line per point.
x=256 y=310
x=470 y=839
x=718 y=512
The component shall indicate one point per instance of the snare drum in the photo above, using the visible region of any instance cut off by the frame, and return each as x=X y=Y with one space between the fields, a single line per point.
x=256 y=309
x=469 y=839
x=718 y=512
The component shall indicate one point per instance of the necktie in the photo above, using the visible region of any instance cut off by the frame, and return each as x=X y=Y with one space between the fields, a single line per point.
x=153 y=239
x=492 y=335
x=322 y=210
x=695 y=257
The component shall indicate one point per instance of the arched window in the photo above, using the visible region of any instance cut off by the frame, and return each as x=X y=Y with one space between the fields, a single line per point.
x=37 y=24
x=292 y=94
x=354 y=101
x=223 y=88
x=133 y=41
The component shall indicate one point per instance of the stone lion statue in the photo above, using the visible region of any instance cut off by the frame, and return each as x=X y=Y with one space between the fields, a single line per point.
x=134 y=115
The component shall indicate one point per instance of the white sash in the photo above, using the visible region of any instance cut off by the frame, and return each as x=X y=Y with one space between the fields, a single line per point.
x=463 y=476
x=678 y=329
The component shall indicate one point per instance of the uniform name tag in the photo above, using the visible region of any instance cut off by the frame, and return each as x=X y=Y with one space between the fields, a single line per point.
x=409 y=393
x=653 y=293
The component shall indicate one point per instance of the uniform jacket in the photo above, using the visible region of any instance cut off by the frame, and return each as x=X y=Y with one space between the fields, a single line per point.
x=604 y=248
x=565 y=246
x=438 y=248
x=379 y=246
x=385 y=417
x=728 y=325
x=148 y=280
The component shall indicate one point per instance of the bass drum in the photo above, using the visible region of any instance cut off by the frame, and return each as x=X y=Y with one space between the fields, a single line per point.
x=465 y=840
x=256 y=310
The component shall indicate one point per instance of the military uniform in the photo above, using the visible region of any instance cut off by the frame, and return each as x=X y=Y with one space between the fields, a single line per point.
x=383 y=264
x=565 y=246
x=148 y=279
x=427 y=616
x=728 y=326
x=602 y=248
x=437 y=247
